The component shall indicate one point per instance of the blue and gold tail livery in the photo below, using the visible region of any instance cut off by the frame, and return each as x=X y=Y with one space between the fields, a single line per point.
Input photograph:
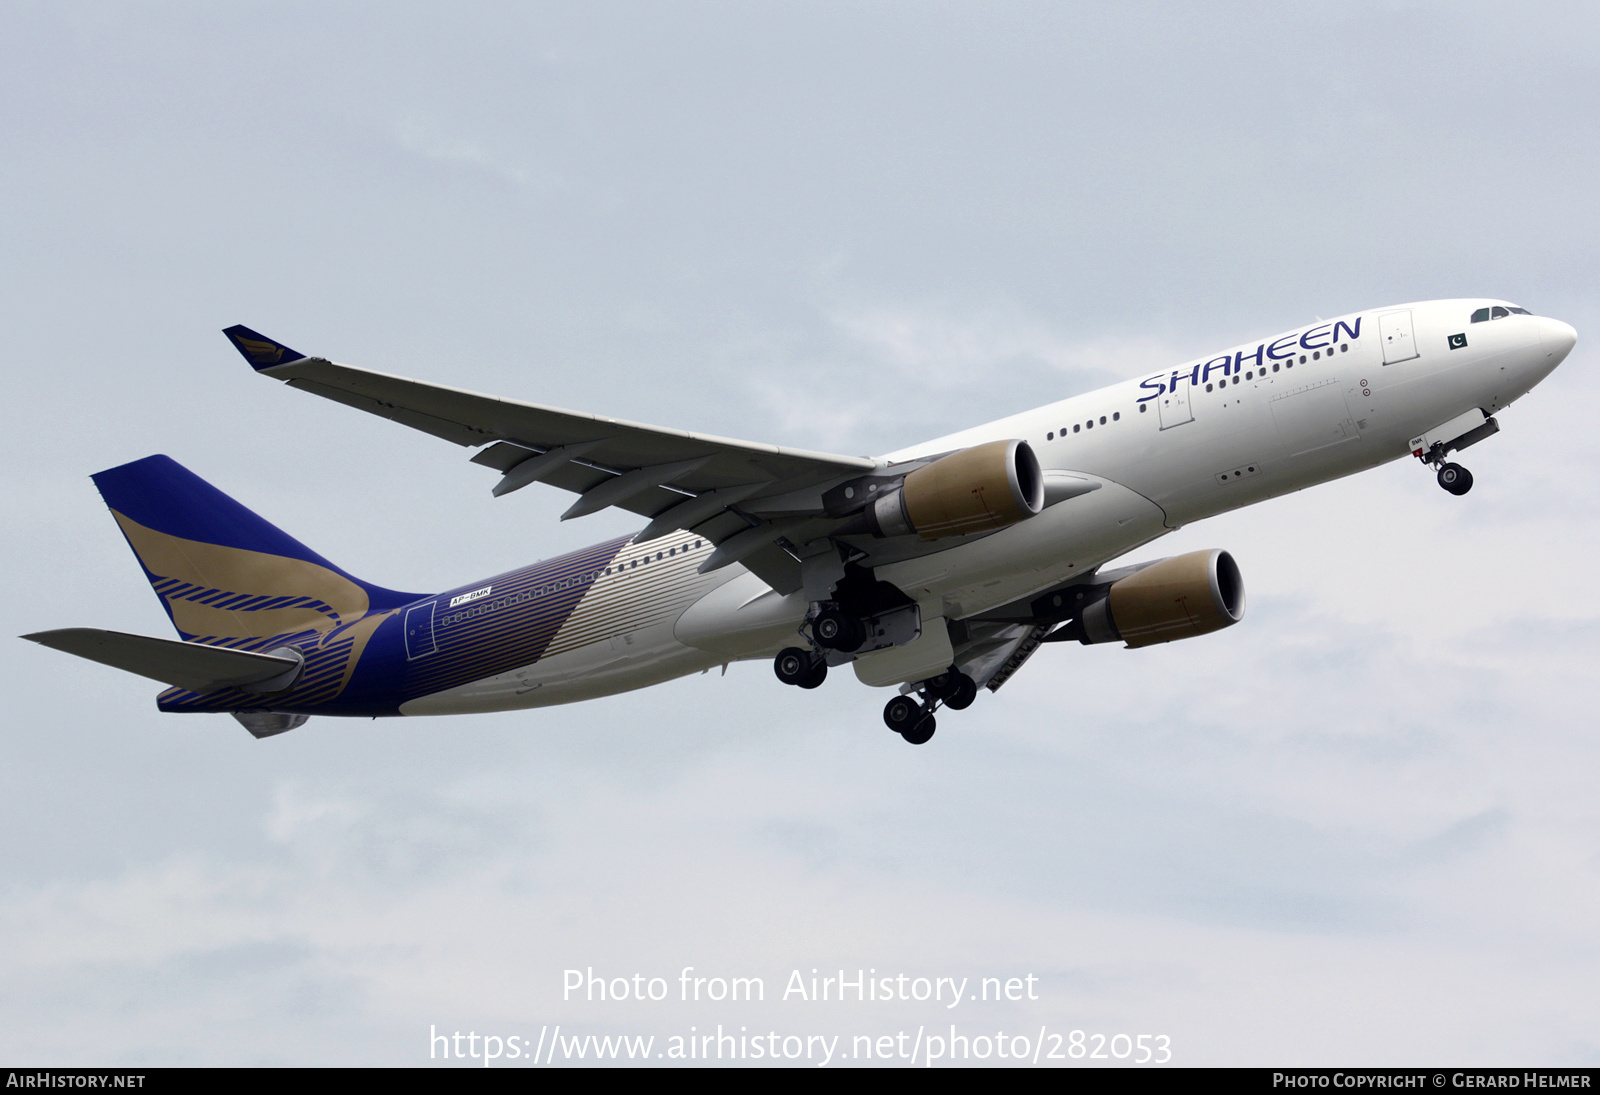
x=259 y=350
x=227 y=577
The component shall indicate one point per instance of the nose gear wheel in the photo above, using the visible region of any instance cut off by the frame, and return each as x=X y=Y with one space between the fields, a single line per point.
x=1455 y=479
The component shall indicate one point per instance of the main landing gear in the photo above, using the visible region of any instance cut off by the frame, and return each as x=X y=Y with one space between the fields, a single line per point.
x=910 y=719
x=832 y=628
x=911 y=715
x=835 y=634
x=804 y=668
x=836 y=629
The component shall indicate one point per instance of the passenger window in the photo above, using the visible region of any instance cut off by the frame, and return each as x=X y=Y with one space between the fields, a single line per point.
x=1089 y=425
x=1102 y=420
x=1274 y=368
x=1208 y=387
x=1480 y=315
x=1143 y=407
x=1049 y=437
x=1116 y=416
x=1075 y=429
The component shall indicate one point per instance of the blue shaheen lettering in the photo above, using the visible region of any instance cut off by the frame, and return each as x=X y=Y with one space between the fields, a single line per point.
x=1272 y=351
x=1315 y=332
x=1355 y=331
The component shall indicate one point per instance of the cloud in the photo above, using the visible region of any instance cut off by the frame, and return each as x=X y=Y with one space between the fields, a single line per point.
x=427 y=140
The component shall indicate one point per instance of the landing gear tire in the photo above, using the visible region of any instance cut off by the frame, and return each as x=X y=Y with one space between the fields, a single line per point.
x=901 y=713
x=906 y=717
x=838 y=630
x=952 y=688
x=921 y=731
x=961 y=695
x=799 y=667
x=1455 y=479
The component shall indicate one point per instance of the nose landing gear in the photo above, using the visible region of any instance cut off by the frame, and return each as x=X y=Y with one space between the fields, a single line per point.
x=1452 y=477
x=1455 y=479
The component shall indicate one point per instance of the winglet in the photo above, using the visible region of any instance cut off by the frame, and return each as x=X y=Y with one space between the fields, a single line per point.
x=259 y=350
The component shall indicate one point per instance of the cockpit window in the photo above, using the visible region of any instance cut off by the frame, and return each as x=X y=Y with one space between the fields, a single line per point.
x=1498 y=312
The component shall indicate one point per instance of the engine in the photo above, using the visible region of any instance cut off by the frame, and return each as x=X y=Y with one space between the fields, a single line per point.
x=1175 y=598
x=979 y=489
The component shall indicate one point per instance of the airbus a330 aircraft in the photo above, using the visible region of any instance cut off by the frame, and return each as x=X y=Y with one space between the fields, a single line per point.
x=939 y=569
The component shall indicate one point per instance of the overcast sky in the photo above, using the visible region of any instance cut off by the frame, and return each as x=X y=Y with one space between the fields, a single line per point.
x=1361 y=827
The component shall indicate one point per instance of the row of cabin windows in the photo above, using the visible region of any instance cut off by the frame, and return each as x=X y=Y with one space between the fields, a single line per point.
x=1089 y=425
x=660 y=555
x=1498 y=312
x=1316 y=355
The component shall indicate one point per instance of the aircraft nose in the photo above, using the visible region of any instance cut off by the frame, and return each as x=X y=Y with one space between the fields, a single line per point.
x=1557 y=338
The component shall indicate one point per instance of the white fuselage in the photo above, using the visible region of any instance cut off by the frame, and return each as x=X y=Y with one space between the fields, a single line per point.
x=1214 y=434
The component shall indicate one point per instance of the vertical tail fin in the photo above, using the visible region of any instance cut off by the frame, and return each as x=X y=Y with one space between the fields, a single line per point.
x=223 y=573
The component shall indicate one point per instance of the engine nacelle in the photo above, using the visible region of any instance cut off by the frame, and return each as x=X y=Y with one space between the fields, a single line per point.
x=979 y=489
x=1176 y=598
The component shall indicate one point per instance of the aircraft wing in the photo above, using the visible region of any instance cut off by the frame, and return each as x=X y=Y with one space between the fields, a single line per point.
x=743 y=497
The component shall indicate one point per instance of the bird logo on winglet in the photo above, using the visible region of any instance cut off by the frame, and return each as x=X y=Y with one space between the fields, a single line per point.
x=260 y=353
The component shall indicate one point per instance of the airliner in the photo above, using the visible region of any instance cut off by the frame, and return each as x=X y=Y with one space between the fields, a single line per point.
x=937 y=571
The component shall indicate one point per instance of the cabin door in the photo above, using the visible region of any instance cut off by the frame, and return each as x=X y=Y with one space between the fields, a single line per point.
x=1399 y=341
x=419 y=631
x=1174 y=406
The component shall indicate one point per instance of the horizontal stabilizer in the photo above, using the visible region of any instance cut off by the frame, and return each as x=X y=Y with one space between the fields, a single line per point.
x=259 y=350
x=190 y=666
